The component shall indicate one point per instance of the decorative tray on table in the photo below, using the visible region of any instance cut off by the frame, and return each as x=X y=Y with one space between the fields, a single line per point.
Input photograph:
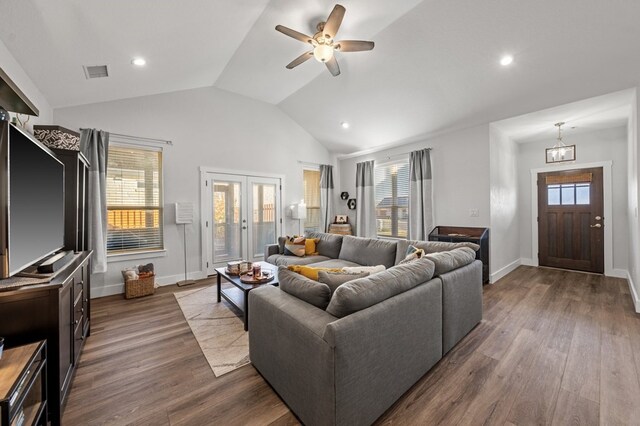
x=250 y=279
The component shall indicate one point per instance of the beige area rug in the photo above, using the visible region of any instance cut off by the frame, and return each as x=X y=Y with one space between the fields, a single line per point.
x=218 y=330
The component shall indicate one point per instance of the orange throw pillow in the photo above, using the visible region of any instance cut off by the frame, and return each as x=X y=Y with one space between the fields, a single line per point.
x=310 y=246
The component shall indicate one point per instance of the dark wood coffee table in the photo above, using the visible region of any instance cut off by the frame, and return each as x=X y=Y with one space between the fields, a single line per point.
x=238 y=294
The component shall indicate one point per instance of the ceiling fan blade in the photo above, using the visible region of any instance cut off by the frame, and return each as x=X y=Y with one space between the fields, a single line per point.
x=334 y=20
x=354 y=45
x=332 y=66
x=300 y=59
x=293 y=34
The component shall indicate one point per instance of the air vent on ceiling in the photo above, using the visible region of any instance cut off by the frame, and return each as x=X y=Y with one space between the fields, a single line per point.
x=95 y=71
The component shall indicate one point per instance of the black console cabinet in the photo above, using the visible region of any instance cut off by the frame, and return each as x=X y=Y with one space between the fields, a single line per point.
x=60 y=312
x=456 y=234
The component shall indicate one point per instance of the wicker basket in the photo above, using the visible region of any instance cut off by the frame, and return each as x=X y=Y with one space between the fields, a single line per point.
x=139 y=288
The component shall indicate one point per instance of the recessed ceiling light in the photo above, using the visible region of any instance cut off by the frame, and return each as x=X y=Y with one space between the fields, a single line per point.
x=506 y=60
x=139 y=62
x=344 y=125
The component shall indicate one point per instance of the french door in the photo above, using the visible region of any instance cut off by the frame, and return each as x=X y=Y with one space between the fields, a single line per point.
x=571 y=222
x=244 y=215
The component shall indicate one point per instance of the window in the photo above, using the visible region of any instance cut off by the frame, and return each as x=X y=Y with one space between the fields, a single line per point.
x=569 y=194
x=392 y=198
x=134 y=200
x=311 y=179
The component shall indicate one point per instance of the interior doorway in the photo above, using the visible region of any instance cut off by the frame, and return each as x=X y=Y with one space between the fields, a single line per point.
x=242 y=214
x=571 y=219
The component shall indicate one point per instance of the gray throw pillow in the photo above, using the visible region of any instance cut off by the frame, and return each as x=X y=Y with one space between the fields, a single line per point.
x=446 y=261
x=336 y=279
x=313 y=292
x=362 y=293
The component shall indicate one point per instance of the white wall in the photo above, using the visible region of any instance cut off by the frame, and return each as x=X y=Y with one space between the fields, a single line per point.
x=505 y=238
x=208 y=127
x=460 y=163
x=594 y=146
x=632 y=205
x=23 y=81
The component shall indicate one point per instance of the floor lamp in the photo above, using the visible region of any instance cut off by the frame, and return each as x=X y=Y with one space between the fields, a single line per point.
x=184 y=216
x=299 y=211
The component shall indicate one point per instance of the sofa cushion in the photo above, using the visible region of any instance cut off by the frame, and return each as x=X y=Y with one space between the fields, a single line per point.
x=295 y=246
x=329 y=244
x=313 y=292
x=446 y=261
x=429 y=247
x=336 y=279
x=368 y=251
x=284 y=260
x=334 y=263
x=365 y=292
x=310 y=271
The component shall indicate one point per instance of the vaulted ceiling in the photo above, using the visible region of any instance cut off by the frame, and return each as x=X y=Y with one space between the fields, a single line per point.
x=435 y=65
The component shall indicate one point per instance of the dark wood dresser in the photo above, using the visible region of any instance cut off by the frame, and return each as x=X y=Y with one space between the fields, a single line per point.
x=60 y=312
x=23 y=385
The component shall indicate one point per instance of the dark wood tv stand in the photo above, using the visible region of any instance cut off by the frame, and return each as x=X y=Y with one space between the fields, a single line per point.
x=58 y=311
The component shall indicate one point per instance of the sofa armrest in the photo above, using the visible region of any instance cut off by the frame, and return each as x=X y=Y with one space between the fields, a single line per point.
x=287 y=348
x=271 y=249
x=381 y=351
x=461 y=303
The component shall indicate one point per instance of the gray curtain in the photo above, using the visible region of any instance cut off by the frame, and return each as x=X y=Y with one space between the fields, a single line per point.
x=365 y=200
x=420 y=195
x=94 y=144
x=326 y=196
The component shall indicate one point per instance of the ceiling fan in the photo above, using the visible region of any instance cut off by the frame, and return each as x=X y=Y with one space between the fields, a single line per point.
x=323 y=42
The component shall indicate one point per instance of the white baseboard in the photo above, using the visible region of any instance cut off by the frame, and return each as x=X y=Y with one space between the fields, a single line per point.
x=528 y=261
x=634 y=293
x=618 y=273
x=504 y=271
x=118 y=288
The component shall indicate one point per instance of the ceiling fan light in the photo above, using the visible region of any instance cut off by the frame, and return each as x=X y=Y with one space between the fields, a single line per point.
x=323 y=52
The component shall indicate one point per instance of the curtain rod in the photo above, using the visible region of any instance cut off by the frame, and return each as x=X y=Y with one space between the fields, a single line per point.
x=154 y=140
x=393 y=157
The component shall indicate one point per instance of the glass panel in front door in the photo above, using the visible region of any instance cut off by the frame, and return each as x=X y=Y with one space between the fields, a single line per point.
x=227 y=221
x=263 y=217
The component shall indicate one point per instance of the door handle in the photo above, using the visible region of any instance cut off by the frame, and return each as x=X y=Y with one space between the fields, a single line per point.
x=597 y=225
x=598 y=218
x=244 y=227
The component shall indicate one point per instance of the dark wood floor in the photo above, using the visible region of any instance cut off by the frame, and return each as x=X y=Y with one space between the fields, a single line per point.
x=555 y=347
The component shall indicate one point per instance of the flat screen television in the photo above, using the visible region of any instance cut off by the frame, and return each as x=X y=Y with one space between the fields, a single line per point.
x=32 y=196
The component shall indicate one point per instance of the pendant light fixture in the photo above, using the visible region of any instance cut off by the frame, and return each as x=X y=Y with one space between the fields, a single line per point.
x=560 y=152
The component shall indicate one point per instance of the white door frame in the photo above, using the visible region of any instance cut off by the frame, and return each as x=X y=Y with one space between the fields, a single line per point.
x=204 y=207
x=607 y=190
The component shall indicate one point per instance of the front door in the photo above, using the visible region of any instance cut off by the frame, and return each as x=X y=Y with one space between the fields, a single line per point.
x=244 y=216
x=570 y=220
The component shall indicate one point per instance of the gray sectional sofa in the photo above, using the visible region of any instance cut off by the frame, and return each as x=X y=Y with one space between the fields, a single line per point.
x=379 y=335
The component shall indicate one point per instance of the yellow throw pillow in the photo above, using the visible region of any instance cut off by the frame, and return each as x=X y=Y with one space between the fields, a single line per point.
x=310 y=271
x=310 y=246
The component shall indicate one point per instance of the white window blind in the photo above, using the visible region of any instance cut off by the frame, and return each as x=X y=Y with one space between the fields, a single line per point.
x=134 y=200
x=392 y=198
x=311 y=180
